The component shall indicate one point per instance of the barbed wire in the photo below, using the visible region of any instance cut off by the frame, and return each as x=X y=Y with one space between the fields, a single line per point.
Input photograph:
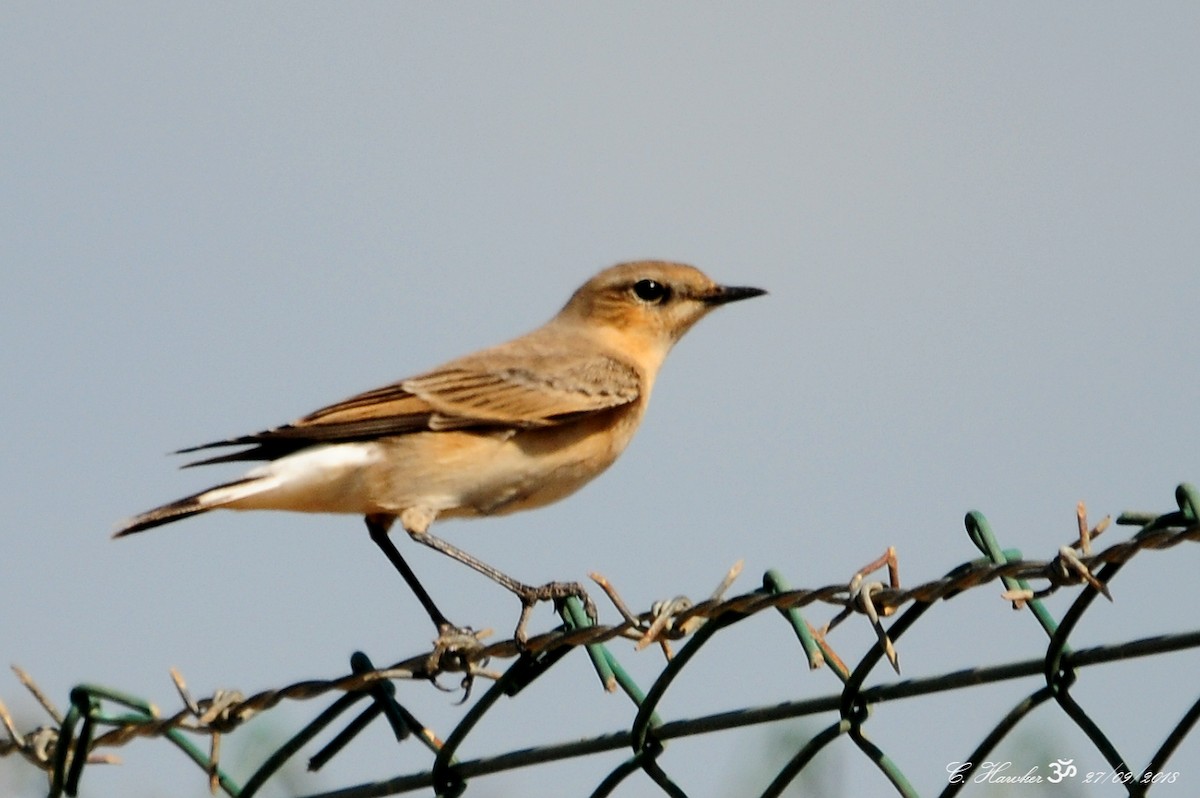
x=87 y=733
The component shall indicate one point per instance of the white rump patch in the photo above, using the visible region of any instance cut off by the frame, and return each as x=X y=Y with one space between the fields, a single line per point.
x=320 y=479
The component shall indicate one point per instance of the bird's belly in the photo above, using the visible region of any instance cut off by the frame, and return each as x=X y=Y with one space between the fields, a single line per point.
x=521 y=484
x=481 y=474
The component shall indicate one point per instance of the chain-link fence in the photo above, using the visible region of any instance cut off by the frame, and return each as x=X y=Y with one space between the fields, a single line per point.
x=99 y=719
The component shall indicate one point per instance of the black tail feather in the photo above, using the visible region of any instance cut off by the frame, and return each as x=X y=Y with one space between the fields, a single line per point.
x=175 y=511
x=186 y=507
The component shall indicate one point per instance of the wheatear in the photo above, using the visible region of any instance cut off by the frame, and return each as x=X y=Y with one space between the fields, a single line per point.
x=509 y=428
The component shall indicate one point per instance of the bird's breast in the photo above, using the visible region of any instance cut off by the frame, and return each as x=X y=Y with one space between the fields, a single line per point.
x=461 y=473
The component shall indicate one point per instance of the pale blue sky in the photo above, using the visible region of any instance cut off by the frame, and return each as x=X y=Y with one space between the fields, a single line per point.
x=978 y=225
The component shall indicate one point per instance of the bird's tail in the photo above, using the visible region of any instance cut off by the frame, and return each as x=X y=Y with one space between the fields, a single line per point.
x=195 y=504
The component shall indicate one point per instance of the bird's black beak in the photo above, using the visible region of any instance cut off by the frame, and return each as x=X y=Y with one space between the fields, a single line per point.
x=724 y=294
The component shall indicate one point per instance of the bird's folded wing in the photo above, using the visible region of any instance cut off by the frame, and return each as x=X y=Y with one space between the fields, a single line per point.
x=493 y=392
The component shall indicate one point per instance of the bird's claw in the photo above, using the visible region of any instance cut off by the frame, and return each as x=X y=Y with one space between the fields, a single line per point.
x=557 y=592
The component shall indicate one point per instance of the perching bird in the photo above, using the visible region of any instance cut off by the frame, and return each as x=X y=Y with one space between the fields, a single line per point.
x=508 y=428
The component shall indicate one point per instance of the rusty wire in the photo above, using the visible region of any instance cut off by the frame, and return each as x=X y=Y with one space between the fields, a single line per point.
x=75 y=739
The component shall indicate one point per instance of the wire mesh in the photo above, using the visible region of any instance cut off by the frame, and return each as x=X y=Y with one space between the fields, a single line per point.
x=99 y=719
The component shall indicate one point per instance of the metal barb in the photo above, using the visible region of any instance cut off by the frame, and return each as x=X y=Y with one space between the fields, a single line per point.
x=84 y=734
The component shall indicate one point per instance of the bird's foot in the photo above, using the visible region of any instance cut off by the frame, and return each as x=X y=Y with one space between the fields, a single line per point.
x=557 y=592
x=457 y=648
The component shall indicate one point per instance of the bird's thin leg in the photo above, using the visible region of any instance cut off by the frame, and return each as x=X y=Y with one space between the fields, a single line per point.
x=528 y=594
x=378 y=526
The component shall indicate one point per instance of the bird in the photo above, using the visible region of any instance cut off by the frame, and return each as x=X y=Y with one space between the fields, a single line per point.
x=508 y=428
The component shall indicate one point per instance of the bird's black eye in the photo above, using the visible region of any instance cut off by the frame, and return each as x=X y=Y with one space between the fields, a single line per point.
x=650 y=291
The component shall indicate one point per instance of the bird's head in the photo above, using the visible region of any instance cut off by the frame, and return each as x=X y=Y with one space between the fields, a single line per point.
x=649 y=303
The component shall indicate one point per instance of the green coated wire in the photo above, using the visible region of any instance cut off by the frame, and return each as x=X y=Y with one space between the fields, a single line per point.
x=608 y=668
x=1058 y=677
x=527 y=667
x=752 y=716
x=774 y=583
x=649 y=765
x=575 y=617
x=298 y=741
x=980 y=532
x=181 y=741
x=1158 y=762
x=1058 y=668
x=66 y=732
x=643 y=721
x=882 y=761
x=998 y=733
x=797 y=763
x=617 y=775
x=88 y=706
